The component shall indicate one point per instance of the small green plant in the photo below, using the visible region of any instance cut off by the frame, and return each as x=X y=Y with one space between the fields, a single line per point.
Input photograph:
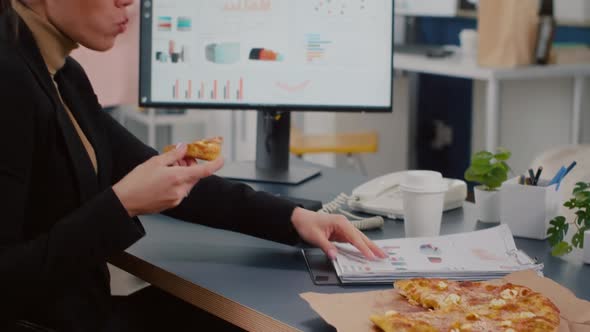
x=489 y=169
x=560 y=226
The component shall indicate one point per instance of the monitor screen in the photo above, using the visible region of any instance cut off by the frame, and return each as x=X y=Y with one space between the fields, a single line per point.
x=267 y=54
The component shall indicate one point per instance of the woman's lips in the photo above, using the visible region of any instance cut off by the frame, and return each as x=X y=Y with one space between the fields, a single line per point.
x=123 y=26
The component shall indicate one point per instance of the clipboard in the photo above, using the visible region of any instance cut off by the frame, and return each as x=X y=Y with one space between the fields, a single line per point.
x=322 y=272
x=320 y=267
x=492 y=254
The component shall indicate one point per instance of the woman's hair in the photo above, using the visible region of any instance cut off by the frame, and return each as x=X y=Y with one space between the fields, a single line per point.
x=4 y=5
x=12 y=21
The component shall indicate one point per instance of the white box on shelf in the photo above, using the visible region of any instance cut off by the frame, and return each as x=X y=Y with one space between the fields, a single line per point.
x=527 y=210
x=426 y=7
x=572 y=11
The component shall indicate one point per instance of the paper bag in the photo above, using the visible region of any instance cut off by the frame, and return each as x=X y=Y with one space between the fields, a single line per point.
x=507 y=32
x=350 y=312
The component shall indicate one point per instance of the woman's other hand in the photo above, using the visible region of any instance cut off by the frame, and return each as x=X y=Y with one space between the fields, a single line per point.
x=162 y=182
x=320 y=229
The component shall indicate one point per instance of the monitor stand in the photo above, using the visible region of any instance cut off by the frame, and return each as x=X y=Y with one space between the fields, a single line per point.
x=272 y=154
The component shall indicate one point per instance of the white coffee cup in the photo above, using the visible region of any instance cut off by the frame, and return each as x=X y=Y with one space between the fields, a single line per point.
x=469 y=43
x=423 y=194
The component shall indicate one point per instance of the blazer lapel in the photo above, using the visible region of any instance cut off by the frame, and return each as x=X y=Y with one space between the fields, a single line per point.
x=81 y=110
x=85 y=176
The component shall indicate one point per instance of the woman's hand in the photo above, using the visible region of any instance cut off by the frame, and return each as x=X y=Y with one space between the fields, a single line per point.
x=162 y=182
x=319 y=229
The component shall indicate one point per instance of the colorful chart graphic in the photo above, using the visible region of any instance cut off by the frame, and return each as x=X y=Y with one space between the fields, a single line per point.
x=184 y=23
x=248 y=5
x=164 y=23
x=316 y=47
x=223 y=53
x=263 y=54
x=391 y=250
x=429 y=250
x=432 y=252
x=213 y=90
x=435 y=260
x=173 y=54
x=394 y=258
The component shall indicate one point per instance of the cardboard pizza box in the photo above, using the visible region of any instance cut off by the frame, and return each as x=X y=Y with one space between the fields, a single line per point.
x=350 y=312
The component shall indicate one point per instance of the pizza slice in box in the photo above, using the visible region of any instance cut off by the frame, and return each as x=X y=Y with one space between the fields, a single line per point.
x=470 y=306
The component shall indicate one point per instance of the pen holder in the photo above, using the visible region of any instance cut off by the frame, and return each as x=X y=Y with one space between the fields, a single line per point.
x=527 y=210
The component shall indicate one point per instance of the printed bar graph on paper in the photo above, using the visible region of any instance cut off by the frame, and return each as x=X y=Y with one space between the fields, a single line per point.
x=215 y=89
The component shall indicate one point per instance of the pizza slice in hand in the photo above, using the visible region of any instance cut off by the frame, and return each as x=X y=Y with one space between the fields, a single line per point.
x=206 y=149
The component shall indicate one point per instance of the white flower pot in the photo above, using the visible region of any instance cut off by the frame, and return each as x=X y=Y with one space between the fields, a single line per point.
x=488 y=205
x=587 y=247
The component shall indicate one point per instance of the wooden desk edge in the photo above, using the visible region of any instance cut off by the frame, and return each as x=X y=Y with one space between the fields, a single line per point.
x=220 y=306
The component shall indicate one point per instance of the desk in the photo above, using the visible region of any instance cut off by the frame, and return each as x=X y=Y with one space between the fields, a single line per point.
x=255 y=283
x=455 y=66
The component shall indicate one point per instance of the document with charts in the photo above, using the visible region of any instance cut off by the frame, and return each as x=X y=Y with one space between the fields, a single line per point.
x=479 y=255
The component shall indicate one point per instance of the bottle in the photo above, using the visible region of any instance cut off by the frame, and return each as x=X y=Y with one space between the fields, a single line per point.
x=545 y=32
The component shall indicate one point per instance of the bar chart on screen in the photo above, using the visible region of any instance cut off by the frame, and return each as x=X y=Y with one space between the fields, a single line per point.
x=218 y=90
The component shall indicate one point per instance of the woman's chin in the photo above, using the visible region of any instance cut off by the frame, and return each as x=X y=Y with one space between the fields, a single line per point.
x=100 y=45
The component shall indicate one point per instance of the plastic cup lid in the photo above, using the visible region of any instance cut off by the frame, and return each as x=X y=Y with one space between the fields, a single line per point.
x=424 y=182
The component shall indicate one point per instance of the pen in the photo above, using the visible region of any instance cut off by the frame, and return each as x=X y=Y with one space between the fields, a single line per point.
x=558 y=176
x=532 y=176
x=570 y=167
x=538 y=175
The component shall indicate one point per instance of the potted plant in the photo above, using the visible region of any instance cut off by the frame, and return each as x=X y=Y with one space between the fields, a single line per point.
x=490 y=170
x=559 y=226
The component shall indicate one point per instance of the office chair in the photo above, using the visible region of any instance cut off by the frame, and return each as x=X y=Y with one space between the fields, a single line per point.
x=350 y=144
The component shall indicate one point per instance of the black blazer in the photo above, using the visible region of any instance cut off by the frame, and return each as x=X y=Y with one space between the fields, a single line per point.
x=59 y=221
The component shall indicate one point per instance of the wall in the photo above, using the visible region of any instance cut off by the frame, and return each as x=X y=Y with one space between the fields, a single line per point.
x=392 y=128
x=529 y=125
x=536 y=116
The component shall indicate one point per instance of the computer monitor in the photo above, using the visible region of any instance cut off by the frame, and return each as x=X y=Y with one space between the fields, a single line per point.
x=274 y=56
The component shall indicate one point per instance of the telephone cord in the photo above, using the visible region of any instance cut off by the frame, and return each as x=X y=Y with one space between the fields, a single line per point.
x=361 y=223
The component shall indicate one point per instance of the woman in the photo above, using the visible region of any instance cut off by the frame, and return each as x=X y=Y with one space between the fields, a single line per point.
x=73 y=181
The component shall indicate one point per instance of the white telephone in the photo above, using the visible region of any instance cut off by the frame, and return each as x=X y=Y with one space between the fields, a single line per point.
x=382 y=196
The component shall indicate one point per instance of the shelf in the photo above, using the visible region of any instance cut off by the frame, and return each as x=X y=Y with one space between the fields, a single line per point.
x=456 y=66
